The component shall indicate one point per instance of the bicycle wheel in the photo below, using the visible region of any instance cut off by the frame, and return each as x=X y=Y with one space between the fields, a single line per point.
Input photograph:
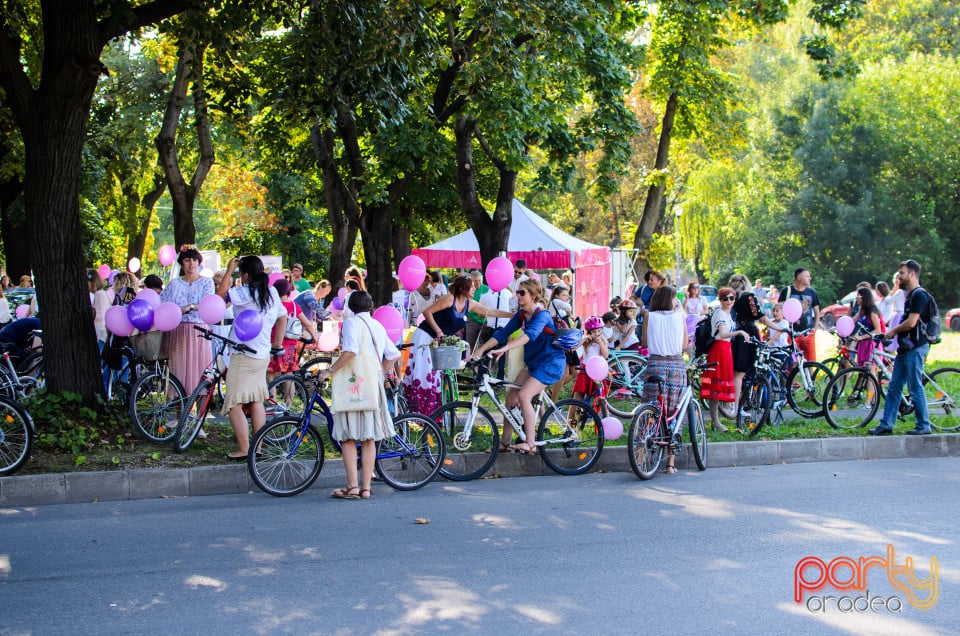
x=288 y=456
x=156 y=402
x=570 y=437
x=467 y=457
x=698 y=434
x=851 y=398
x=16 y=436
x=315 y=365
x=413 y=457
x=943 y=399
x=194 y=411
x=807 y=401
x=643 y=442
x=754 y=405
x=32 y=365
x=287 y=396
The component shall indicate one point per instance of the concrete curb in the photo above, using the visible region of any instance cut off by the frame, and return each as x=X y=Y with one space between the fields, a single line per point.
x=83 y=487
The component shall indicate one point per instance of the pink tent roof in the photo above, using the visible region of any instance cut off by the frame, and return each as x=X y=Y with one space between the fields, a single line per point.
x=532 y=238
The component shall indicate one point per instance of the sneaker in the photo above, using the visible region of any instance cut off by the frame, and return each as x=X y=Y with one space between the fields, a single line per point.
x=201 y=434
x=919 y=431
x=880 y=431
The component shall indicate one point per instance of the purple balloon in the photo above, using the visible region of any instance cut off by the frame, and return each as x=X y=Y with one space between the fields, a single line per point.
x=247 y=325
x=140 y=314
x=337 y=304
x=692 y=321
x=113 y=275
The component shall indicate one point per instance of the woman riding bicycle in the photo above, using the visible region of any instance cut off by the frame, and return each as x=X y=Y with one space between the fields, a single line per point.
x=545 y=362
x=665 y=335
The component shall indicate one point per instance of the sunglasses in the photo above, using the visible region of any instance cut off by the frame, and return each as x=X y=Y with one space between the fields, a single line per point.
x=728 y=298
x=695 y=287
x=521 y=292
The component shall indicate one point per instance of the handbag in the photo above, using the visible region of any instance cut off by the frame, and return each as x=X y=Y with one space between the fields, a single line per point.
x=356 y=385
x=294 y=326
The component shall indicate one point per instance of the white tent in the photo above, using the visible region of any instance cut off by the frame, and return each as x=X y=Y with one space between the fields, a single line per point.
x=542 y=246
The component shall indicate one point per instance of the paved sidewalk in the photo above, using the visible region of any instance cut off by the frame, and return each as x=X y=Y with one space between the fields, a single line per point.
x=81 y=487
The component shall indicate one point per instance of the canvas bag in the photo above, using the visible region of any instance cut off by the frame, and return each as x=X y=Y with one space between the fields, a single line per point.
x=357 y=385
x=294 y=326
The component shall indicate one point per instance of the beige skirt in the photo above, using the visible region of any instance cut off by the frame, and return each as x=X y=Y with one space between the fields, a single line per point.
x=246 y=381
x=364 y=425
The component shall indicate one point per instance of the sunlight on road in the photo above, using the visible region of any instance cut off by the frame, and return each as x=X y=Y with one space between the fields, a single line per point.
x=5 y=564
x=435 y=600
x=692 y=504
x=198 y=580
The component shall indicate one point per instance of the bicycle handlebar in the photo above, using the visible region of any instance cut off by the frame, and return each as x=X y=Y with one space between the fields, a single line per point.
x=207 y=334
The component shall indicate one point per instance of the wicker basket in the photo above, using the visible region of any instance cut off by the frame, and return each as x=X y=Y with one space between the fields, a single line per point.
x=446 y=357
x=148 y=345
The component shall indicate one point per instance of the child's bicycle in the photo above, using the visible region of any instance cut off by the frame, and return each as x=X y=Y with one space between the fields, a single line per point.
x=286 y=455
x=653 y=430
x=569 y=436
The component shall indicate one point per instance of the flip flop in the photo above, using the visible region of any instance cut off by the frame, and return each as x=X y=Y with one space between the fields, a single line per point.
x=346 y=493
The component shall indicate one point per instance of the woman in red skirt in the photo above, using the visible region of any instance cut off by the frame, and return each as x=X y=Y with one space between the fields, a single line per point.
x=717 y=382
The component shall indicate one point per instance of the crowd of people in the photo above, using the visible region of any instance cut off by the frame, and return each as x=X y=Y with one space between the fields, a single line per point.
x=524 y=317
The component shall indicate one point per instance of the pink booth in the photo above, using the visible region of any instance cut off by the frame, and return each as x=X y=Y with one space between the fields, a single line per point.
x=544 y=247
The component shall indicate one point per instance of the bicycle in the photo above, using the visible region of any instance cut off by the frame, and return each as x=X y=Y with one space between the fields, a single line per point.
x=286 y=455
x=763 y=392
x=806 y=381
x=653 y=430
x=12 y=384
x=626 y=381
x=16 y=436
x=853 y=396
x=197 y=406
x=156 y=400
x=569 y=436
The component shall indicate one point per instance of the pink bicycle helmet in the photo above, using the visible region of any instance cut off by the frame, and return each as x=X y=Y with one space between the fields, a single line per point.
x=628 y=304
x=593 y=322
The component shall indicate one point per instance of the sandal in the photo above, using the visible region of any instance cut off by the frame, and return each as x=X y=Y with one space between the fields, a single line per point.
x=524 y=449
x=367 y=495
x=347 y=492
x=504 y=448
x=670 y=470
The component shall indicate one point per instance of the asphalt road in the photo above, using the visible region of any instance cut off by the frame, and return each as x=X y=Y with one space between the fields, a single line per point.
x=597 y=554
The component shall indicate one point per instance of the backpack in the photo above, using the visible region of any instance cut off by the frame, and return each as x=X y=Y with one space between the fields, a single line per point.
x=294 y=327
x=560 y=323
x=703 y=336
x=931 y=327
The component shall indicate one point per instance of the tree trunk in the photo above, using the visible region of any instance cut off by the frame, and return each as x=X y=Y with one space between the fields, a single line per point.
x=344 y=232
x=400 y=242
x=183 y=194
x=141 y=210
x=492 y=234
x=377 y=231
x=653 y=206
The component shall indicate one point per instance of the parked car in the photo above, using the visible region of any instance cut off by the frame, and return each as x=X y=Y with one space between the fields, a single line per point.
x=953 y=319
x=708 y=293
x=843 y=307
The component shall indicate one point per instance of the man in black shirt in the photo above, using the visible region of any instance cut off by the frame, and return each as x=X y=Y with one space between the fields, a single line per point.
x=911 y=354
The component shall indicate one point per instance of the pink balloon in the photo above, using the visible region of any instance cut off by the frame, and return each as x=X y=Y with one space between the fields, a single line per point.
x=845 y=326
x=166 y=316
x=411 y=272
x=792 y=310
x=597 y=369
x=692 y=321
x=274 y=277
x=328 y=341
x=499 y=273
x=391 y=320
x=612 y=428
x=211 y=309
x=167 y=255
x=22 y=311
x=104 y=271
x=152 y=297
x=117 y=321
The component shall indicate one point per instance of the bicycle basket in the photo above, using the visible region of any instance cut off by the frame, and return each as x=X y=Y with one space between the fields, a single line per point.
x=446 y=357
x=148 y=345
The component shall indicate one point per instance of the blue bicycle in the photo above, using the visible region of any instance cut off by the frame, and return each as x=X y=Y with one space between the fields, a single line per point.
x=286 y=455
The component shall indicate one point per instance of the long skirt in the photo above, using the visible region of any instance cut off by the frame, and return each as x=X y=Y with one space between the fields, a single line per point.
x=674 y=372
x=717 y=382
x=364 y=425
x=189 y=355
x=246 y=381
x=421 y=383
